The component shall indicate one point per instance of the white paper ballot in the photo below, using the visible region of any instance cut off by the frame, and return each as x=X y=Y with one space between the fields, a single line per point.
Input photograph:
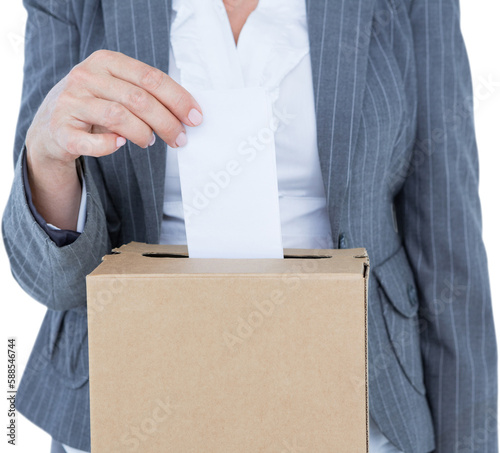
x=228 y=177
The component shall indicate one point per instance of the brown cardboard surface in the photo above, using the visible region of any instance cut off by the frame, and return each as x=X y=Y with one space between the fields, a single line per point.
x=201 y=355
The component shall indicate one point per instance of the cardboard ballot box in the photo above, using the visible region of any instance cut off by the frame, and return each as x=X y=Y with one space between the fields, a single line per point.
x=228 y=355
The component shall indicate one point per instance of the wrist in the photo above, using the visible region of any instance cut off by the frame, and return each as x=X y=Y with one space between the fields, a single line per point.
x=55 y=190
x=45 y=167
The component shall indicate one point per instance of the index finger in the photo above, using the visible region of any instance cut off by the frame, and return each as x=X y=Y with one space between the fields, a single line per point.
x=177 y=99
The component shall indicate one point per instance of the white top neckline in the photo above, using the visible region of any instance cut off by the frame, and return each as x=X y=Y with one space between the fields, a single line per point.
x=208 y=58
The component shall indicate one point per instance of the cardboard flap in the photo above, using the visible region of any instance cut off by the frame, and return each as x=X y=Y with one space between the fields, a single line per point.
x=140 y=259
x=143 y=248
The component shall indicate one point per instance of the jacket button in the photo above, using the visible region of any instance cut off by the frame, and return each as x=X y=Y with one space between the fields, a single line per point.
x=412 y=294
x=343 y=241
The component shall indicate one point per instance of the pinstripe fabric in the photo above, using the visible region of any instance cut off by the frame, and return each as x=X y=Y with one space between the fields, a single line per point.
x=399 y=162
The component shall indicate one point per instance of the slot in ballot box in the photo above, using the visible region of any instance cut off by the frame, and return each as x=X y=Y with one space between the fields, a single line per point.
x=228 y=355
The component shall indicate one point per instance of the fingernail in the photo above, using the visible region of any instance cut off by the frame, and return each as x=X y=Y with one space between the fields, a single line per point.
x=181 y=139
x=153 y=140
x=120 y=141
x=195 y=117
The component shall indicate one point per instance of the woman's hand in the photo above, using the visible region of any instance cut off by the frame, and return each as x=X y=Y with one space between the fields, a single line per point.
x=115 y=96
x=104 y=100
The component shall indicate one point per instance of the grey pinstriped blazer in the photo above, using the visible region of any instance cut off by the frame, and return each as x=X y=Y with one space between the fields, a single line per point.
x=399 y=162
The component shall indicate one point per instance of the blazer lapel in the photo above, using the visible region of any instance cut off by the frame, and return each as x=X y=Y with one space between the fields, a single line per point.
x=339 y=32
x=141 y=30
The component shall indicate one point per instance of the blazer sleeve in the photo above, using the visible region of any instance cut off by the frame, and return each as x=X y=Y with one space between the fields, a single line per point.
x=439 y=211
x=53 y=275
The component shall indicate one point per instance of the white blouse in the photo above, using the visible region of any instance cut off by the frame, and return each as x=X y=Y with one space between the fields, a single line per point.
x=273 y=53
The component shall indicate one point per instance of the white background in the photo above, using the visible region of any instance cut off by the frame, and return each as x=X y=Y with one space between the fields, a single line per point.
x=21 y=316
